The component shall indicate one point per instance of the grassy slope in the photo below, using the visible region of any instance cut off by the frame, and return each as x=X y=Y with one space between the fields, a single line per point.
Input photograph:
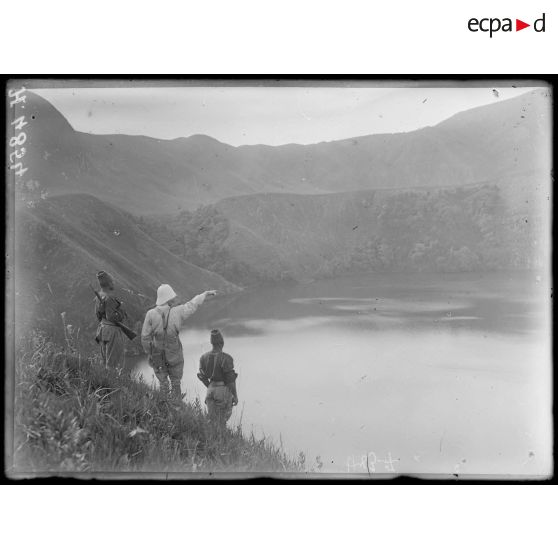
x=73 y=416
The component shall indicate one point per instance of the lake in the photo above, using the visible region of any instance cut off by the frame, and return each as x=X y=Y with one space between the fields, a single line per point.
x=392 y=373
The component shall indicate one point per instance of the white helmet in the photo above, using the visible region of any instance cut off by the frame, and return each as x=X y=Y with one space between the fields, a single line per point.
x=164 y=294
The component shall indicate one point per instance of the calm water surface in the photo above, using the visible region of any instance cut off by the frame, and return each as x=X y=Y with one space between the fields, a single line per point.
x=422 y=373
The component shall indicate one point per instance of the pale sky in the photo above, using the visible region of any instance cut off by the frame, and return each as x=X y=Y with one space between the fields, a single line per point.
x=265 y=115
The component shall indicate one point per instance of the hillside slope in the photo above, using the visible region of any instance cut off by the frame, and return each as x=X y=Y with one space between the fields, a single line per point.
x=144 y=175
x=74 y=417
x=63 y=241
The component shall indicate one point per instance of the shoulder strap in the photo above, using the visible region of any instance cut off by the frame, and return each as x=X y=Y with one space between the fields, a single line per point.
x=165 y=325
x=161 y=312
x=102 y=305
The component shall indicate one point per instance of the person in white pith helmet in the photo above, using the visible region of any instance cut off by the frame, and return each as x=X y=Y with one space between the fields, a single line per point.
x=160 y=337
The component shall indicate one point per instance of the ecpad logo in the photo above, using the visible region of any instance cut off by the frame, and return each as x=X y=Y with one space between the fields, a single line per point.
x=493 y=25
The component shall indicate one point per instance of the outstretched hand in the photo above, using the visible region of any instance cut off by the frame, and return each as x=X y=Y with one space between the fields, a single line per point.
x=210 y=293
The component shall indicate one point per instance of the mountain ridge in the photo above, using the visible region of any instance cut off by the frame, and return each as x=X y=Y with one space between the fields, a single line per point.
x=148 y=176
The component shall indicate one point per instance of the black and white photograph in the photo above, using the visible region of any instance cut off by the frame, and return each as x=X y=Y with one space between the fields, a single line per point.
x=287 y=278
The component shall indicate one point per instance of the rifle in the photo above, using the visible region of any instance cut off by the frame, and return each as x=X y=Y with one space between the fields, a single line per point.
x=131 y=335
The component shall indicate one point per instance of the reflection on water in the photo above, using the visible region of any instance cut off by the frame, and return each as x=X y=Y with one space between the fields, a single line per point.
x=404 y=373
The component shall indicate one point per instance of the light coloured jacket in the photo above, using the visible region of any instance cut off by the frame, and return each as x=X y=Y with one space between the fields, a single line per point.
x=153 y=328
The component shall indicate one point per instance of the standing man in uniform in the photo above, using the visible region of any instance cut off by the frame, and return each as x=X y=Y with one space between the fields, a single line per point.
x=218 y=375
x=160 y=337
x=109 y=312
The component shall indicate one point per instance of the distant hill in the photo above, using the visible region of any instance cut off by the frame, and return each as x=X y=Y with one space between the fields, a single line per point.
x=257 y=238
x=449 y=229
x=505 y=141
x=63 y=241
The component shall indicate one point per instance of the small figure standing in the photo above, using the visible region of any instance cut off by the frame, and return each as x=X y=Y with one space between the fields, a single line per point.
x=110 y=313
x=160 y=337
x=218 y=375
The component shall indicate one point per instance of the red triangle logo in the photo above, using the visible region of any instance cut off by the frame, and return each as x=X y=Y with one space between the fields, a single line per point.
x=519 y=25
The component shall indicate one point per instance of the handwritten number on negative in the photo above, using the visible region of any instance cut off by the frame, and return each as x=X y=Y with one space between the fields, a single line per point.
x=18 y=140
x=21 y=171
x=19 y=123
x=18 y=154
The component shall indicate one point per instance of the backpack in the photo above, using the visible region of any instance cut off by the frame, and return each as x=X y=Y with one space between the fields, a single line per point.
x=117 y=315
